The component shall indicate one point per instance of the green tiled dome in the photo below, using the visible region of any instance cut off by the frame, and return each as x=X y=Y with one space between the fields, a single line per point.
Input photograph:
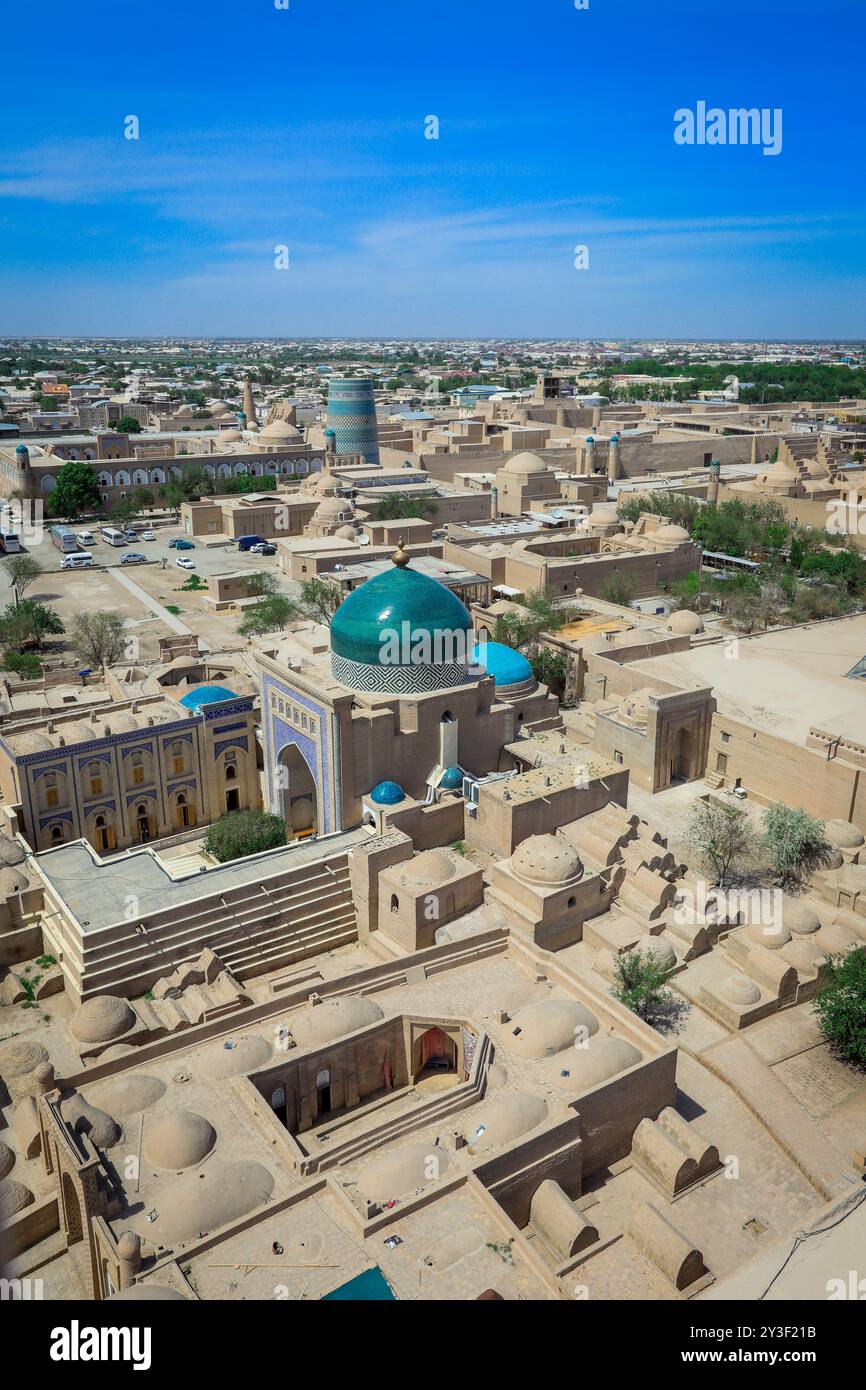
x=360 y=626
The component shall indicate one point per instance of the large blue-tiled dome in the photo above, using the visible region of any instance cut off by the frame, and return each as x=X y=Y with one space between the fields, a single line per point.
x=401 y=632
x=388 y=794
x=504 y=664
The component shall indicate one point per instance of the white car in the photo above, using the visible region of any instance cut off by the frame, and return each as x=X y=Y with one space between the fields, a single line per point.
x=147 y=536
x=183 y=563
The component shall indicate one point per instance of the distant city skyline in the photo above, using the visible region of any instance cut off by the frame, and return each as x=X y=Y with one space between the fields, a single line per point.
x=305 y=128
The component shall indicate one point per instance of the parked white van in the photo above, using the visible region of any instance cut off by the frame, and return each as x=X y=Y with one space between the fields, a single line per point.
x=85 y=538
x=78 y=560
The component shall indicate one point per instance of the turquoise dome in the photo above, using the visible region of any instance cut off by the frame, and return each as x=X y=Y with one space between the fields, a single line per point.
x=504 y=664
x=366 y=619
x=21 y=449
x=452 y=779
x=388 y=794
x=590 y=439
x=206 y=695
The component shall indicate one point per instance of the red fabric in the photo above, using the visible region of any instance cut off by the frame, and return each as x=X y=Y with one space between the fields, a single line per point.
x=433 y=1044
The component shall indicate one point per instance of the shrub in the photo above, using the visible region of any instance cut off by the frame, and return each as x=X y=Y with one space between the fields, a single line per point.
x=239 y=833
x=840 y=1006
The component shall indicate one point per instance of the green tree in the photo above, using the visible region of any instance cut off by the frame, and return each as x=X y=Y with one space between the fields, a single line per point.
x=795 y=841
x=320 y=599
x=27 y=624
x=127 y=424
x=271 y=614
x=239 y=833
x=98 y=639
x=721 y=836
x=535 y=614
x=23 y=571
x=76 y=491
x=840 y=1007
x=399 y=506
x=618 y=589
x=640 y=985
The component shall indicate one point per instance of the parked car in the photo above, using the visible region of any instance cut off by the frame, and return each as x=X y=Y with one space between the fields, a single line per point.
x=147 y=536
x=184 y=563
x=265 y=548
x=80 y=560
x=173 y=542
x=184 y=545
x=247 y=542
x=85 y=538
x=133 y=557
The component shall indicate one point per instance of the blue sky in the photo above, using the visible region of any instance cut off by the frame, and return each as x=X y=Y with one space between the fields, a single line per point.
x=304 y=127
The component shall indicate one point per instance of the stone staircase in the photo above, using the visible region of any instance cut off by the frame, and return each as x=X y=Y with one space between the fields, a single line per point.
x=713 y=779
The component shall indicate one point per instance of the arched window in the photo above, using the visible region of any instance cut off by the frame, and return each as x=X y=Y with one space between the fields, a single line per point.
x=137 y=768
x=94 y=772
x=178 y=758
x=395 y=903
x=231 y=772
x=56 y=834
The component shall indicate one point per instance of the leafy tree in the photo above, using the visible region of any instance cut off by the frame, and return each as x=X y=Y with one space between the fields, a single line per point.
x=25 y=664
x=618 y=589
x=721 y=835
x=27 y=623
x=172 y=495
x=23 y=571
x=535 y=614
x=48 y=403
x=399 y=506
x=549 y=668
x=76 y=491
x=840 y=1007
x=261 y=583
x=795 y=841
x=98 y=639
x=320 y=599
x=124 y=511
x=272 y=613
x=127 y=424
x=239 y=833
x=640 y=985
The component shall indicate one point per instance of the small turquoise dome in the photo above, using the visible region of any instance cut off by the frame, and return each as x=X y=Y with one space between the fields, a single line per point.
x=22 y=449
x=452 y=779
x=388 y=794
x=330 y=434
x=614 y=439
x=206 y=695
x=590 y=439
x=504 y=664
x=370 y=614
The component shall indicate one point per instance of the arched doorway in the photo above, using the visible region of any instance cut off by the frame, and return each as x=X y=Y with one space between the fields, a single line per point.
x=145 y=823
x=298 y=801
x=104 y=832
x=433 y=1052
x=71 y=1210
x=323 y=1092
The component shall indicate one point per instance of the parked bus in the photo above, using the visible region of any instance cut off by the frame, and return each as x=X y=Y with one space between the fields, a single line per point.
x=112 y=536
x=10 y=543
x=64 y=538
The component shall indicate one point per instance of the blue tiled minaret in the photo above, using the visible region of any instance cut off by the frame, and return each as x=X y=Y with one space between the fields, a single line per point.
x=352 y=417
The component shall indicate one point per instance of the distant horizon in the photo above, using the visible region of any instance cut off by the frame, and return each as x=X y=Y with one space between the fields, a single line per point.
x=799 y=339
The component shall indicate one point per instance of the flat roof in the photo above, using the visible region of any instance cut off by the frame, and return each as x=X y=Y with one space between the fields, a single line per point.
x=95 y=890
x=785 y=682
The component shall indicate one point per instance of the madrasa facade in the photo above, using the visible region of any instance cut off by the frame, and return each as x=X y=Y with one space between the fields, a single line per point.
x=396 y=703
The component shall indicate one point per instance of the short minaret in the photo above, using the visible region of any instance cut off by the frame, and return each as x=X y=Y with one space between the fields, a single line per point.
x=128 y=1258
x=249 y=404
x=713 y=486
x=588 y=454
x=614 y=470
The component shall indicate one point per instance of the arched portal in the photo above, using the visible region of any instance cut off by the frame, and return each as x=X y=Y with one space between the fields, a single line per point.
x=71 y=1210
x=297 y=789
x=433 y=1051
